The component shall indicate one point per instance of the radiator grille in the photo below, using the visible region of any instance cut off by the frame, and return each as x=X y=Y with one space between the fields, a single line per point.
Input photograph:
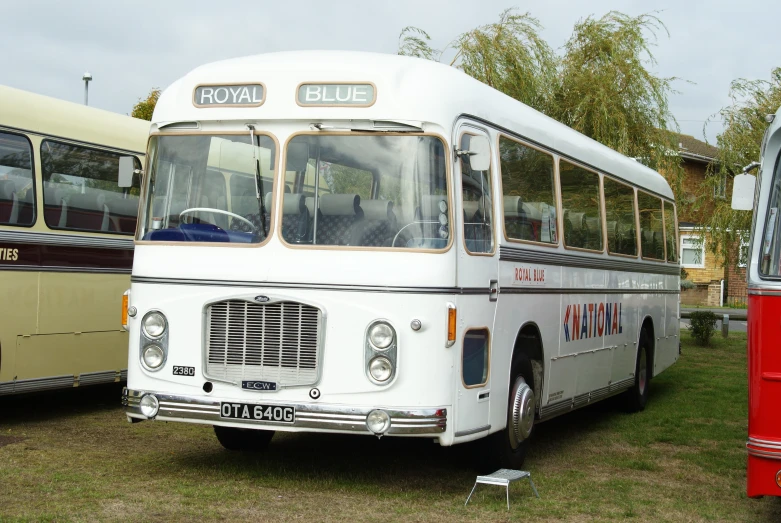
x=263 y=341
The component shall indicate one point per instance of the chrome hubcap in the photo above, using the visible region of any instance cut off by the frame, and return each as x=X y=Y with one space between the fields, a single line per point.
x=521 y=413
x=642 y=371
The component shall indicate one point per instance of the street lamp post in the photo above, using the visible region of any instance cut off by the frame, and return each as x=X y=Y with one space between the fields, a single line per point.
x=87 y=77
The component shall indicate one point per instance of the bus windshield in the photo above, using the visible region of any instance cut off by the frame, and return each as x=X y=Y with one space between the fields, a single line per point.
x=770 y=254
x=209 y=188
x=381 y=191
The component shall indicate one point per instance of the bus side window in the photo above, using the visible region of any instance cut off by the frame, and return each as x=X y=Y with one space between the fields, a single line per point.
x=620 y=213
x=581 y=207
x=528 y=193
x=81 y=191
x=17 y=193
x=650 y=210
x=477 y=205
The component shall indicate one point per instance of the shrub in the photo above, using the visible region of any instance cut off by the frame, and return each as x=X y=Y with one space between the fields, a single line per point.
x=702 y=325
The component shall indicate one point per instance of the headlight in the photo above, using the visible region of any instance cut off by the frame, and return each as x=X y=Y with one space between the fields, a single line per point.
x=378 y=421
x=149 y=405
x=381 y=335
x=153 y=357
x=154 y=324
x=380 y=368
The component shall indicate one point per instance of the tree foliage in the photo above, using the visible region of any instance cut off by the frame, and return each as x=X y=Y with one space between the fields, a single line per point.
x=603 y=84
x=145 y=108
x=739 y=145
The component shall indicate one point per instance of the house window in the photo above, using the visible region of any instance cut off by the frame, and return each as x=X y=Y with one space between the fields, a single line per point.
x=692 y=252
x=720 y=189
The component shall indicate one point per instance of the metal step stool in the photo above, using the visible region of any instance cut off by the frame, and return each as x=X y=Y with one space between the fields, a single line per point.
x=503 y=477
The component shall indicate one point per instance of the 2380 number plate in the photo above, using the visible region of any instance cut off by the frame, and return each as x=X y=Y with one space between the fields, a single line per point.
x=184 y=371
x=274 y=413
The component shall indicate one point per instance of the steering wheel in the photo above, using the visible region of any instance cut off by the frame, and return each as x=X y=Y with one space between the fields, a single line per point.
x=219 y=211
x=393 y=243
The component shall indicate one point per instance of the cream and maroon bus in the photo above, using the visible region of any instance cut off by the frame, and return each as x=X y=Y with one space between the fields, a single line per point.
x=373 y=244
x=66 y=240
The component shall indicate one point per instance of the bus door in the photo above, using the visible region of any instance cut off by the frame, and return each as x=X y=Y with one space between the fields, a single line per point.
x=477 y=276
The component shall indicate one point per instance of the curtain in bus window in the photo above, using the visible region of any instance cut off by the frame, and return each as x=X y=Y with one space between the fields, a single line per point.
x=669 y=231
x=651 y=237
x=529 y=198
x=477 y=205
x=581 y=207
x=80 y=190
x=17 y=190
x=620 y=213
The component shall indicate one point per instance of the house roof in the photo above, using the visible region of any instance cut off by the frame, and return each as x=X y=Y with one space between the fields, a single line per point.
x=691 y=148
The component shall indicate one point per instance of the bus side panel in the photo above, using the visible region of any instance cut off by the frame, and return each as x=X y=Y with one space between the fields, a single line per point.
x=18 y=313
x=50 y=355
x=764 y=377
x=667 y=349
x=79 y=302
x=513 y=312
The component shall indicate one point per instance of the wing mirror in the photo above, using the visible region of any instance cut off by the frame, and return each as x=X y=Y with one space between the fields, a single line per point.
x=479 y=153
x=127 y=168
x=743 y=189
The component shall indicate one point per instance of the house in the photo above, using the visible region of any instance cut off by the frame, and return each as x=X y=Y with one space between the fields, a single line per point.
x=713 y=285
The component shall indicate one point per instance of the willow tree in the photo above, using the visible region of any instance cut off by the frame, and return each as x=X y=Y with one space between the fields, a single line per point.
x=608 y=91
x=509 y=55
x=144 y=108
x=739 y=145
x=603 y=84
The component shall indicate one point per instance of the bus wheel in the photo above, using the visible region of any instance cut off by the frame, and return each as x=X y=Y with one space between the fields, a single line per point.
x=507 y=448
x=637 y=395
x=251 y=440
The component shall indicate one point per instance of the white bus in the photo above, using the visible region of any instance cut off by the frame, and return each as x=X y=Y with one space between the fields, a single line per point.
x=373 y=244
x=66 y=240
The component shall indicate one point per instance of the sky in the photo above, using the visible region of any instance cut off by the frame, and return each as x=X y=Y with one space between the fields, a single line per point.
x=131 y=47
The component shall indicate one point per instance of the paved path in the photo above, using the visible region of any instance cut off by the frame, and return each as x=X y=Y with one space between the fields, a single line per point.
x=734 y=325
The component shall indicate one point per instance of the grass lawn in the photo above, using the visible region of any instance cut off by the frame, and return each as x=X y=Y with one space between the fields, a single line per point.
x=72 y=456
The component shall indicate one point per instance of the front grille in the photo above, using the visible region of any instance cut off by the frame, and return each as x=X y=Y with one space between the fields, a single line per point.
x=263 y=341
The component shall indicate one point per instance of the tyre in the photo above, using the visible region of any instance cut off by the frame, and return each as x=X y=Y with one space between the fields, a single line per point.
x=246 y=440
x=507 y=448
x=637 y=396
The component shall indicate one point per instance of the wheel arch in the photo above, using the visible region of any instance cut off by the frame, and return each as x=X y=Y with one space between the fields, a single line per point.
x=528 y=342
x=648 y=324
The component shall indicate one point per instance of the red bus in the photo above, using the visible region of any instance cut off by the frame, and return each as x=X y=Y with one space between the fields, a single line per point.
x=763 y=194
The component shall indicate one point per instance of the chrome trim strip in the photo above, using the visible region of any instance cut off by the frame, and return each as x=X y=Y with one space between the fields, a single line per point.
x=37 y=384
x=94 y=378
x=763 y=454
x=589 y=351
x=765 y=444
x=564 y=290
x=71 y=240
x=54 y=268
x=72 y=141
x=472 y=431
x=316 y=286
x=587 y=398
x=342 y=418
x=764 y=291
x=584 y=261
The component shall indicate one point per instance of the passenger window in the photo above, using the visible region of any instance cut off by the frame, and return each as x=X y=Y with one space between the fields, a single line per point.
x=581 y=207
x=477 y=204
x=474 y=358
x=651 y=237
x=80 y=190
x=669 y=231
x=529 y=199
x=17 y=190
x=620 y=213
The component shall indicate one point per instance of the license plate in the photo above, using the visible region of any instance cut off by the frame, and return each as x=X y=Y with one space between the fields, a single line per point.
x=253 y=412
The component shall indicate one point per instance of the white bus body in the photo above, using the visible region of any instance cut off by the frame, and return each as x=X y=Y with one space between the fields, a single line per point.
x=546 y=320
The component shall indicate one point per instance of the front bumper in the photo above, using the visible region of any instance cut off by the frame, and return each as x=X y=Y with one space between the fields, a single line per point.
x=309 y=417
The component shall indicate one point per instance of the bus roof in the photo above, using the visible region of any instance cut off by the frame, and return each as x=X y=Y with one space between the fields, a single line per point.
x=407 y=88
x=34 y=113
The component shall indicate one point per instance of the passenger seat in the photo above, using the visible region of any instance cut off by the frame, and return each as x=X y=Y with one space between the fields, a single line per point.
x=339 y=219
x=379 y=223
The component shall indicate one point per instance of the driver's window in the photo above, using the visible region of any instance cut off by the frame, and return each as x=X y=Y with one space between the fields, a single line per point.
x=476 y=204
